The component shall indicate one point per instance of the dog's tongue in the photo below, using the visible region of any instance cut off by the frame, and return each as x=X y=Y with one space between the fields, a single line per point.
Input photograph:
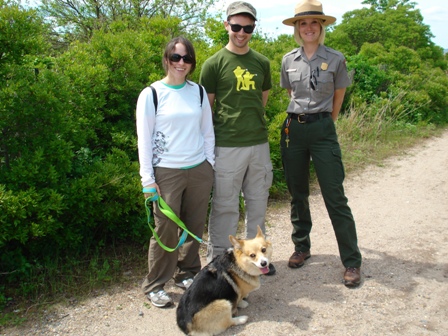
x=264 y=270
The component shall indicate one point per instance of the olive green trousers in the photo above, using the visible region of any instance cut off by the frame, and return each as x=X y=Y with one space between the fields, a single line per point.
x=318 y=141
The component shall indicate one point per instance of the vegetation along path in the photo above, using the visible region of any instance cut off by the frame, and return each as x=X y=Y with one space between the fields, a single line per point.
x=401 y=208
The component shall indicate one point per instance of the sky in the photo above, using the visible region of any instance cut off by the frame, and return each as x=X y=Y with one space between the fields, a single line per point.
x=271 y=13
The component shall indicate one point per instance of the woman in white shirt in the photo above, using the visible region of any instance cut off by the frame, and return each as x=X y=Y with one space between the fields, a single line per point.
x=176 y=154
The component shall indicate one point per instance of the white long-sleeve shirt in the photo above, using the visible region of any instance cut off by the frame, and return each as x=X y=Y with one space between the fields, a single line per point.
x=179 y=134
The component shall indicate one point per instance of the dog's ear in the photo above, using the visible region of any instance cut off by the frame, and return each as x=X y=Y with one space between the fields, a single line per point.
x=259 y=232
x=235 y=242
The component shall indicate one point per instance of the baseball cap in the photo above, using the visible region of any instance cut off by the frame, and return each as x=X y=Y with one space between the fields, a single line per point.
x=240 y=7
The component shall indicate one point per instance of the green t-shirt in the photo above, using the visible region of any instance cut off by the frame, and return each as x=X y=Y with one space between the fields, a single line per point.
x=238 y=82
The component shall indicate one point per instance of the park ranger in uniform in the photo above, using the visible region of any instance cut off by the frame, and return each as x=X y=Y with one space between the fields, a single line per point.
x=316 y=78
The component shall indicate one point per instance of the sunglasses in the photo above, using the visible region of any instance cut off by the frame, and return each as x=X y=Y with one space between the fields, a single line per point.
x=313 y=79
x=176 y=58
x=237 y=28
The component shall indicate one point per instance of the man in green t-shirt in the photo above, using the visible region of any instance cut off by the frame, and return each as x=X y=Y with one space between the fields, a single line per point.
x=237 y=80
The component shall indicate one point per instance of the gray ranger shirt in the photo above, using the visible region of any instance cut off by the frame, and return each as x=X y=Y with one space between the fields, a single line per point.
x=328 y=72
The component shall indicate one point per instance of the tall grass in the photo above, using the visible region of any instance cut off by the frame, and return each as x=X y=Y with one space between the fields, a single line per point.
x=369 y=134
x=70 y=279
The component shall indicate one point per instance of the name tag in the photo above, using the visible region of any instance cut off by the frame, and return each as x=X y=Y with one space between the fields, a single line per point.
x=291 y=70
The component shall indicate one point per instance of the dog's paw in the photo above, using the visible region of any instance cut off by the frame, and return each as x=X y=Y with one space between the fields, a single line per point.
x=243 y=304
x=240 y=319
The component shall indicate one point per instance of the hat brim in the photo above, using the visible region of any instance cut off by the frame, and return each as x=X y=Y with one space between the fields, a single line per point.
x=328 y=20
x=243 y=12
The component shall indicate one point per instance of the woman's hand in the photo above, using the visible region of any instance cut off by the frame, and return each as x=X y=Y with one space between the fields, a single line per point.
x=153 y=185
x=337 y=103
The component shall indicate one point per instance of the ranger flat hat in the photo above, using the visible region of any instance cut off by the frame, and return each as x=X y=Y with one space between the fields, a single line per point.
x=309 y=9
x=240 y=7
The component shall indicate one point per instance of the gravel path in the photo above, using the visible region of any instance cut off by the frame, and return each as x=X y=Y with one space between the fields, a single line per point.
x=401 y=210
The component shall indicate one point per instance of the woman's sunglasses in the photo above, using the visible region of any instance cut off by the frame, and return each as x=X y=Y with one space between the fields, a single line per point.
x=176 y=58
x=236 y=28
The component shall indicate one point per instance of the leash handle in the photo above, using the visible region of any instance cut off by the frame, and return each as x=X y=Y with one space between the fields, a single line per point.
x=153 y=192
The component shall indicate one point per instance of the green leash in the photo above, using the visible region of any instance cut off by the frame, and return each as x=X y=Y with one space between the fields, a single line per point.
x=167 y=211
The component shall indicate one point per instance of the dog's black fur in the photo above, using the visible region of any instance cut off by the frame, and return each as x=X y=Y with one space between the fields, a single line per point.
x=205 y=286
x=210 y=305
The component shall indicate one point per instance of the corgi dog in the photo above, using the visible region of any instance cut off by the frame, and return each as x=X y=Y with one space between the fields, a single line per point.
x=209 y=305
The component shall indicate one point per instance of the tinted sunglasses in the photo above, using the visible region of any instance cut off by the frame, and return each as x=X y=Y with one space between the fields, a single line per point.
x=176 y=58
x=236 y=28
x=313 y=79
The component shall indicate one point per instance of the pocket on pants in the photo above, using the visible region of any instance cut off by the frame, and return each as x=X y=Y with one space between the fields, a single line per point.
x=340 y=173
x=223 y=186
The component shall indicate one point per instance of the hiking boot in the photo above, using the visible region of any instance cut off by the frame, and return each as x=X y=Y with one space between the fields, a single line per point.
x=298 y=259
x=352 y=276
x=184 y=284
x=160 y=299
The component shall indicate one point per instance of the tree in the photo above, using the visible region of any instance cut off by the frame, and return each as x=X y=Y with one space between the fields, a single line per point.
x=23 y=52
x=62 y=186
x=78 y=19
x=35 y=142
x=388 y=22
x=390 y=51
x=23 y=35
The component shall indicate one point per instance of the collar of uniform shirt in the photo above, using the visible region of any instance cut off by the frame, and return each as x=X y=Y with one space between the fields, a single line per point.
x=321 y=52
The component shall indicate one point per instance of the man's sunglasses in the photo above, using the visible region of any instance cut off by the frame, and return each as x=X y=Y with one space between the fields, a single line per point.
x=176 y=58
x=236 y=28
x=313 y=79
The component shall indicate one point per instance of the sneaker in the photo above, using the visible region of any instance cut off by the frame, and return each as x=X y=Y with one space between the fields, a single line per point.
x=160 y=299
x=184 y=284
x=272 y=270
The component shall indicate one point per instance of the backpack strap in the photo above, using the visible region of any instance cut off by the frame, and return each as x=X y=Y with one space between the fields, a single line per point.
x=201 y=93
x=154 y=97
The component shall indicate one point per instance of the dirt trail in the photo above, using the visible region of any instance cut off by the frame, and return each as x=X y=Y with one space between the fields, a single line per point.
x=401 y=210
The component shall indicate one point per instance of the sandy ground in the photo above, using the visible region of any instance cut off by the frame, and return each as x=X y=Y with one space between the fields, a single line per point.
x=401 y=210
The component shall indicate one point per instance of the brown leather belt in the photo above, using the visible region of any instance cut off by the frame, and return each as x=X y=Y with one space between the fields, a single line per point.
x=304 y=118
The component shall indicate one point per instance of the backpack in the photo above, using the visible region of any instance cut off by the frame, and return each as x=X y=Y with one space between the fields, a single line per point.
x=154 y=95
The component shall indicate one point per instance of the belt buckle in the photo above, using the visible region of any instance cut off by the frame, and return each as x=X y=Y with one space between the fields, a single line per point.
x=300 y=120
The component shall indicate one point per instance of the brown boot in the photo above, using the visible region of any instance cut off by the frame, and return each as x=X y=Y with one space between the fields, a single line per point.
x=298 y=259
x=352 y=276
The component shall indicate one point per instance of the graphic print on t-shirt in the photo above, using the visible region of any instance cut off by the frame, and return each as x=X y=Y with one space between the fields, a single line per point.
x=244 y=79
x=159 y=148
